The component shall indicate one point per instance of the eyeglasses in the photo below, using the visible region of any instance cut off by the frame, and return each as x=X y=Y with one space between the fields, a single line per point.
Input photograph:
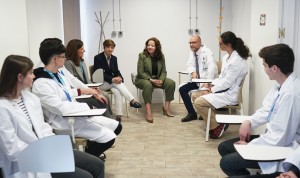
x=193 y=42
x=64 y=57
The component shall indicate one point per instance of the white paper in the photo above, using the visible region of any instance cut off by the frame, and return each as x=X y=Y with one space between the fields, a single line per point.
x=262 y=152
x=231 y=119
x=83 y=96
x=196 y=80
x=94 y=84
x=91 y=112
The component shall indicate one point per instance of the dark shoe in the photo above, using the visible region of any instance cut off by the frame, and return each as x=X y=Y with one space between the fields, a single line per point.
x=217 y=132
x=102 y=157
x=135 y=105
x=118 y=118
x=166 y=113
x=200 y=118
x=189 y=117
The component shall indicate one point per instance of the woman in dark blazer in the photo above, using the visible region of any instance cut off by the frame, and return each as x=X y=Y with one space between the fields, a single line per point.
x=113 y=79
x=152 y=74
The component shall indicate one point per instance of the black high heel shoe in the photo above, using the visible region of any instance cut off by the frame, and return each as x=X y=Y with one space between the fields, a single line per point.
x=165 y=113
x=135 y=105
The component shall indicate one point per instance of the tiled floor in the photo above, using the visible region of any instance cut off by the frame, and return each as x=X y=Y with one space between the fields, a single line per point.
x=167 y=148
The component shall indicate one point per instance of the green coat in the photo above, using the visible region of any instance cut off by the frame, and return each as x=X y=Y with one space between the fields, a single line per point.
x=144 y=68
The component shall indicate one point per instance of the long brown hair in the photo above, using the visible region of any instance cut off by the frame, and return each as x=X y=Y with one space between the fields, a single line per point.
x=158 y=53
x=72 y=51
x=12 y=66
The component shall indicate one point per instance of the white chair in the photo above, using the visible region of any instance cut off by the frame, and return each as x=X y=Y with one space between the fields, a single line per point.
x=239 y=107
x=133 y=77
x=99 y=78
x=49 y=154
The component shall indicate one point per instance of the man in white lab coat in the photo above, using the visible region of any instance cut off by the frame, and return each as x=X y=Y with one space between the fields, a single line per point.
x=280 y=112
x=201 y=64
x=56 y=88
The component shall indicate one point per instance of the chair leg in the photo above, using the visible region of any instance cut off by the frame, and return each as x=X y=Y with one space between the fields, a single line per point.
x=164 y=98
x=138 y=97
x=207 y=125
x=111 y=96
x=229 y=110
x=242 y=109
x=126 y=104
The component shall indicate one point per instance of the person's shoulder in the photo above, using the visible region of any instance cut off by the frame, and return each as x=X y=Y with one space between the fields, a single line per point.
x=69 y=63
x=27 y=94
x=99 y=55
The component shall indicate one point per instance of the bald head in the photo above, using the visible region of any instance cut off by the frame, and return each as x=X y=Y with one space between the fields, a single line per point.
x=195 y=43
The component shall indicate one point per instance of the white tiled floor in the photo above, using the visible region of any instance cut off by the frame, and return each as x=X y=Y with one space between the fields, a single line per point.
x=167 y=148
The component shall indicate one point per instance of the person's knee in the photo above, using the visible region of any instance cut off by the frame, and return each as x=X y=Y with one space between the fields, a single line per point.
x=118 y=129
x=198 y=102
x=221 y=149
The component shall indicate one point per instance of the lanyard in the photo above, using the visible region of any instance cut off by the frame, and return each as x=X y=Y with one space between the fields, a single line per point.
x=273 y=106
x=60 y=82
x=83 y=74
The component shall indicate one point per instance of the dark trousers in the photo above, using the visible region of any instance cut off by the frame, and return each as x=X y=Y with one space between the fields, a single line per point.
x=97 y=149
x=231 y=162
x=259 y=176
x=184 y=93
x=86 y=166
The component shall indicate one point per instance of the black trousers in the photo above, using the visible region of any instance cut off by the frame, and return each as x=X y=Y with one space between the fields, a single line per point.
x=96 y=149
x=184 y=93
x=86 y=166
x=231 y=162
x=259 y=176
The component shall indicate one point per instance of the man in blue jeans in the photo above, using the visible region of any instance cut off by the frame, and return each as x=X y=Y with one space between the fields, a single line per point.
x=280 y=112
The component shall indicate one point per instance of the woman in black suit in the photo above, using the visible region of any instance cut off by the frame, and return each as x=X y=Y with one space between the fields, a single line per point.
x=113 y=79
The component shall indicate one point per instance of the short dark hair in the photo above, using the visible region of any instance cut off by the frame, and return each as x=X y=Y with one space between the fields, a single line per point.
x=280 y=55
x=12 y=66
x=72 y=51
x=108 y=43
x=50 y=47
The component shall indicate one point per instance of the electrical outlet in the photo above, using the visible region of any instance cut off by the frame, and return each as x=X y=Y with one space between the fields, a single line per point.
x=120 y=34
x=190 y=31
x=113 y=34
x=197 y=31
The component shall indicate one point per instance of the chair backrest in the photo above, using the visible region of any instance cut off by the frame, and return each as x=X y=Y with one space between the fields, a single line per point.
x=133 y=77
x=240 y=97
x=91 y=69
x=49 y=154
x=219 y=66
x=98 y=76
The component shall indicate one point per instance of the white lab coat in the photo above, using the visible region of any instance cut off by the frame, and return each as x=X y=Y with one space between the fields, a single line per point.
x=207 y=65
x=234 y=70
x=16 y=133
x=284 y=127
x=293 y=159
x=55 y=105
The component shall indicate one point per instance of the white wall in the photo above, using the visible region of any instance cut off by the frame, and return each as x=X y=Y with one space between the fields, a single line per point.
x=241 y=27
x=45 y=20
x=261 y=36
x=168 y=20
x=13 y=31
x=25 y=24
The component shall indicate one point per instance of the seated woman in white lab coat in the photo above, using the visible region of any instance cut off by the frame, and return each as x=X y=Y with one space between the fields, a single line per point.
x=224 y=90
x=56 y=88
x=22 y=123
